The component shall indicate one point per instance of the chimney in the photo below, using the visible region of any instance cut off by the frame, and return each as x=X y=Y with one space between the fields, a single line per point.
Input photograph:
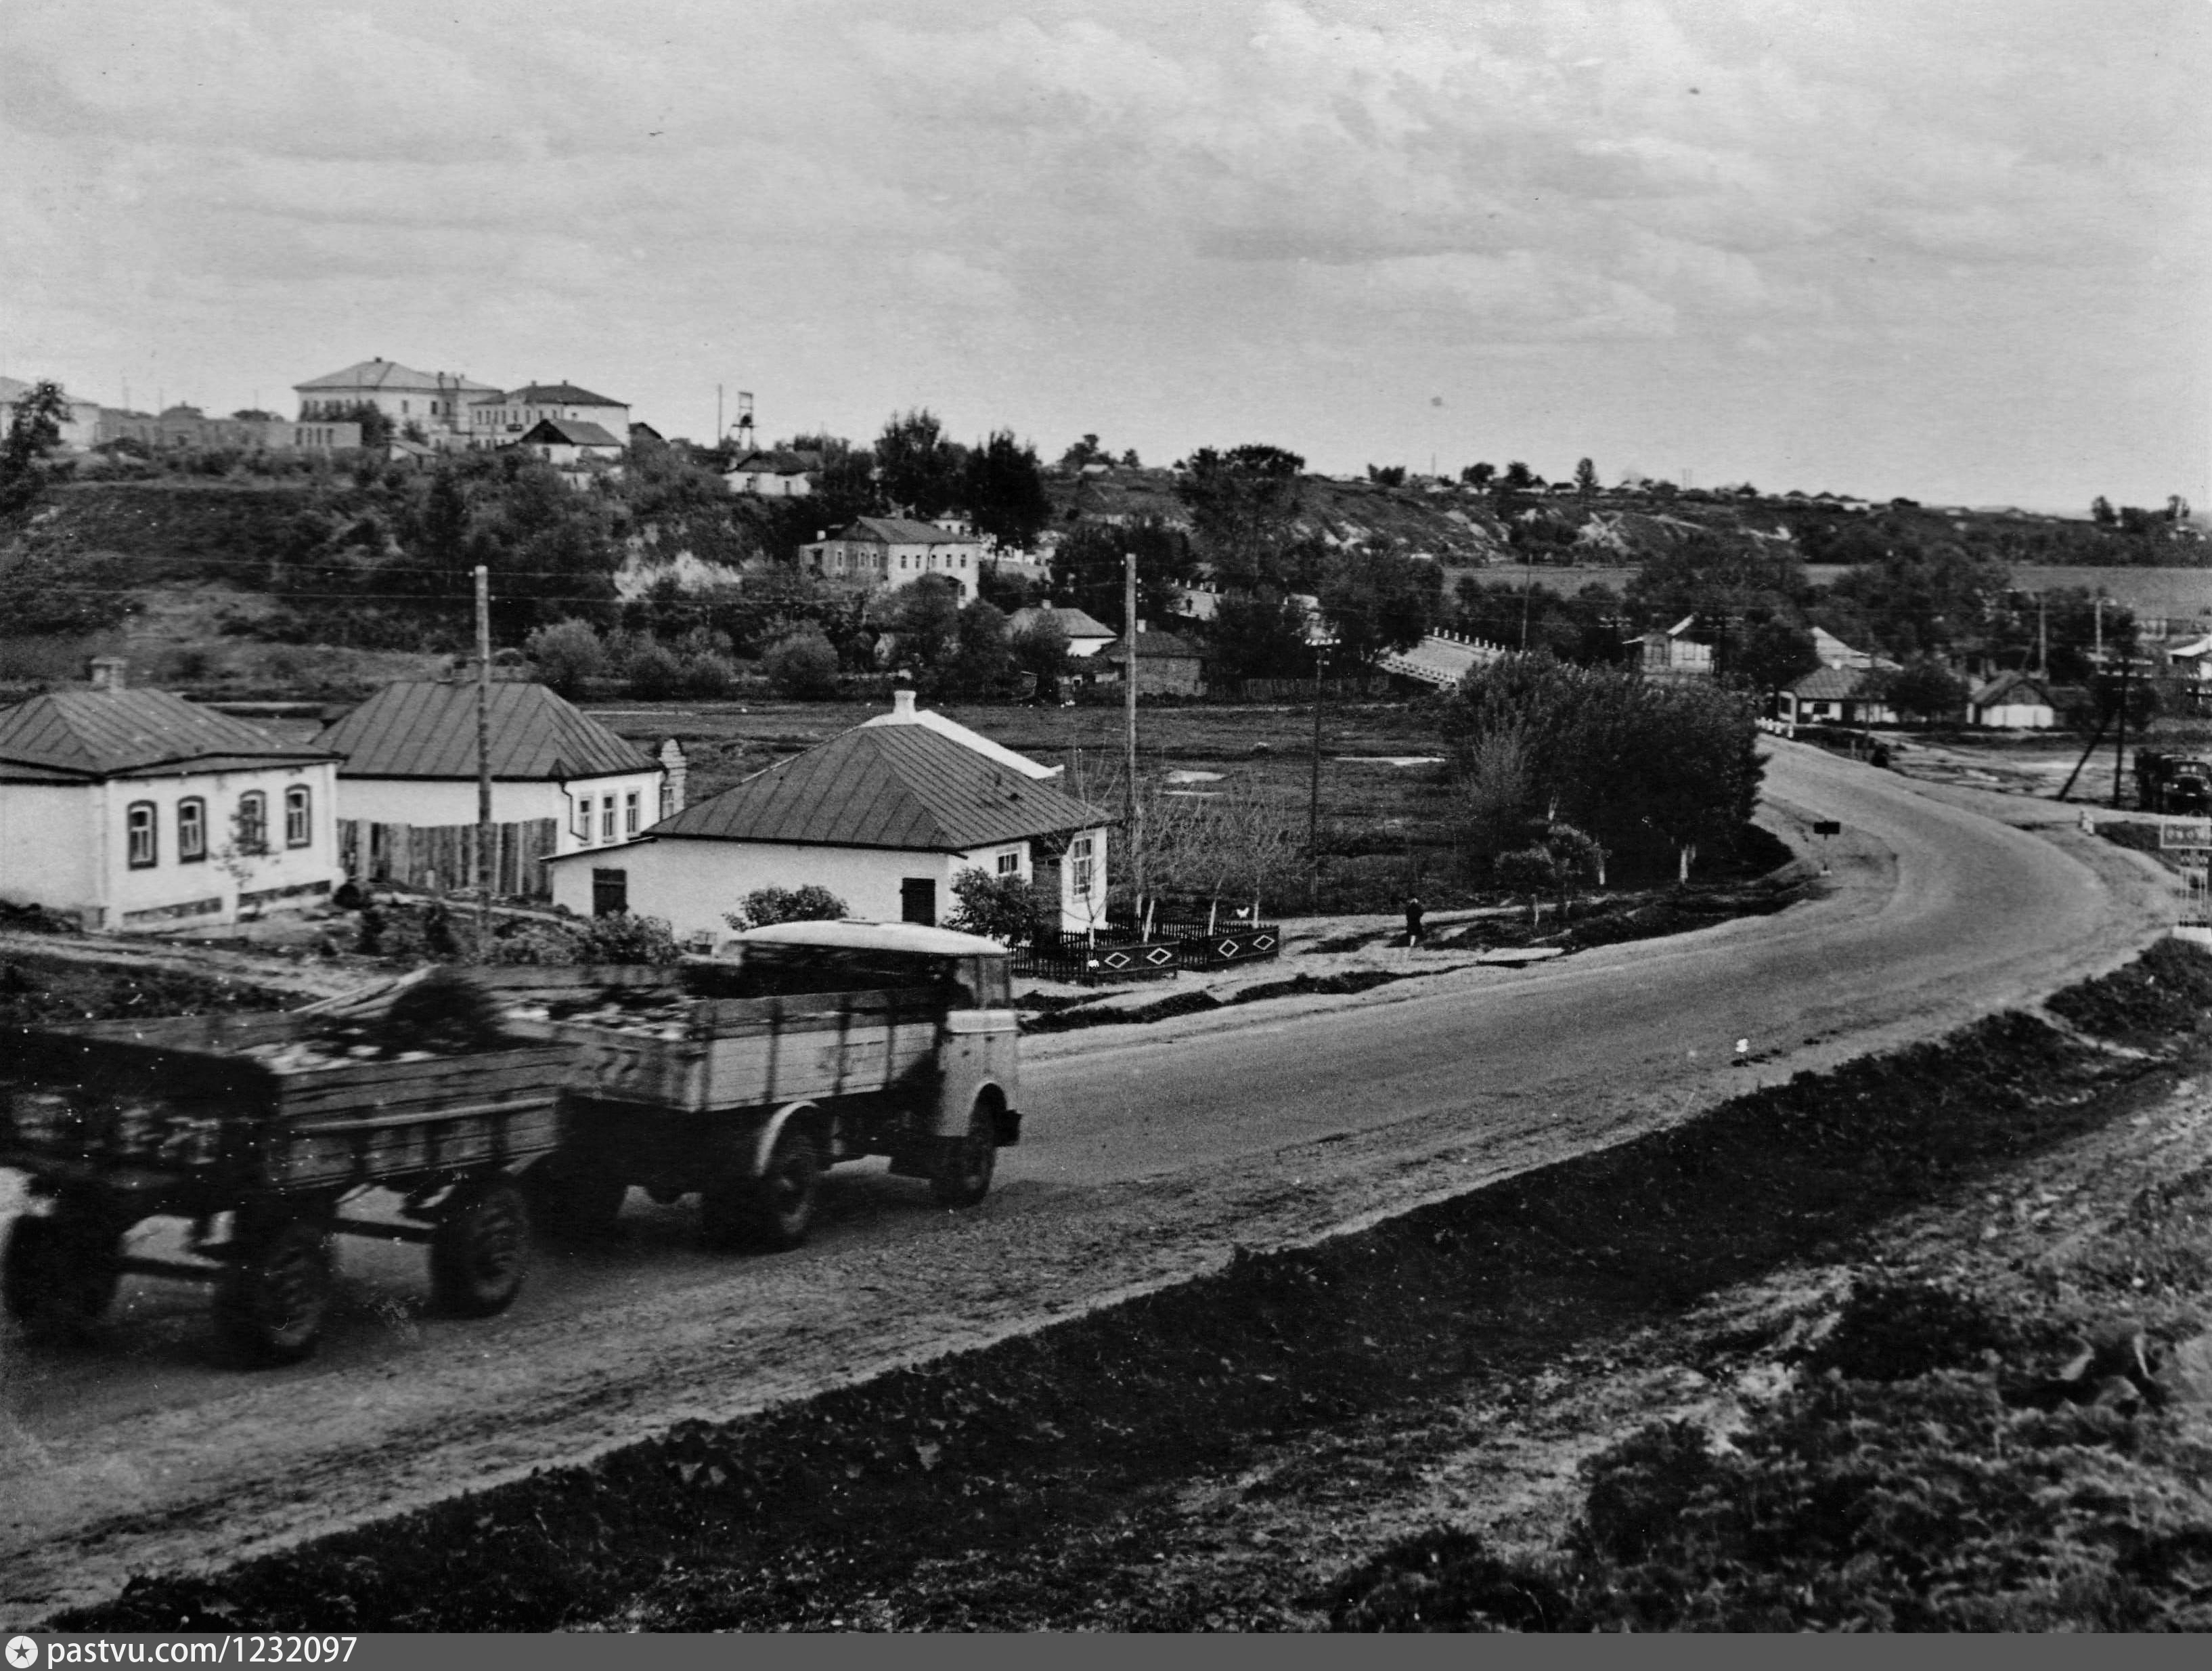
x=903 y=704
x=106 y=671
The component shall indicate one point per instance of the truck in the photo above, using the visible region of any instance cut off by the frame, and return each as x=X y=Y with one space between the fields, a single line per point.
x=260 y=1132
x=2172 y=782
x=791 y=1048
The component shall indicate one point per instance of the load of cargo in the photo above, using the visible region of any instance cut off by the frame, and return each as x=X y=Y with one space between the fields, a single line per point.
x=485 y=1101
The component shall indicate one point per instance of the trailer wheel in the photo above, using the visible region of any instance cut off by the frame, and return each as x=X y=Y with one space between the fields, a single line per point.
x=569 y=1203
x=960 y=1176
x=774 y=1211
x=271 y=1307
x=480 y=1249
x=60 y=1272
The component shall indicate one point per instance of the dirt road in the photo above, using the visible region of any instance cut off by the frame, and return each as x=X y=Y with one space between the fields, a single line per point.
x=1149 y=1153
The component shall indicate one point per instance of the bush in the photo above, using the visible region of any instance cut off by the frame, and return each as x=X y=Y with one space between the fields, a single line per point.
x=803 y=667
x=624 y=938
x=653 y=673
x=567 y=654
x=1003 y=908
x=808 y=904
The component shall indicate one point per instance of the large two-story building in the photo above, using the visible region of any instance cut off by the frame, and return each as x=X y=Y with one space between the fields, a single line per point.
x=893 y=550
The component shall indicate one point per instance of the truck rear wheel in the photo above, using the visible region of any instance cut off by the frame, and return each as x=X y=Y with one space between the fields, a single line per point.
x=272 y=1308
x=774 y=1211
x=960 y=1176
x=60 y=1272
x=480 y=1249
x=569 y=1202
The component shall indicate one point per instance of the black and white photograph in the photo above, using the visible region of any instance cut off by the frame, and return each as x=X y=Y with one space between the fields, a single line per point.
x=1103 y=816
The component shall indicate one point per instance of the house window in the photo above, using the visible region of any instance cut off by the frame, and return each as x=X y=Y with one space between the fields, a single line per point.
x=918 y=901
x=607 y=817
x=1079 y=865
x=630 y=813
x=667 y=799
x=1009 y=863
x=253 y=822
x=610 y=892
x=138 y=822
x=298 y=827
x=584 y=819
x=192 y=831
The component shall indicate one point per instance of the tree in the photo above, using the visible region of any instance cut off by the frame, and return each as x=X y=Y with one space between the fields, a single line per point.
x=980 y=664
x=1261 y=634
x=1775 y=653
x=1479 y=476
x=1087 y=568
x=1387 y=475
x=1377 y=601
x=1040 y=649
x=1083 y=452
x=1926 y=688
x=376 y=428
x=1529 y=872
x=802 y=666
x=809 y=903
x=2100 y=512
x=1243 y=505
x=35 y=429
x=1003 y=489
x=1712 y=574
x=922 y=621
x=1520 y=478
x=917 y=468
x=1586 y=478
x=1130 y=460
x=1001 y=908
x=566 y=654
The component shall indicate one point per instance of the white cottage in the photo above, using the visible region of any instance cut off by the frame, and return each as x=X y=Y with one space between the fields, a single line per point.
x=885 y=816
x=137 y=810
x=2013 y=701
x=562 y=782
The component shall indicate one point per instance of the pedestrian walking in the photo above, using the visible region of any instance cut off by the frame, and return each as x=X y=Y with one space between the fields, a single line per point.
x=1412 y=922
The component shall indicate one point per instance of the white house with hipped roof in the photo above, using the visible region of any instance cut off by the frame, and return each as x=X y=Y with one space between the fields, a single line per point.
x=137 y=810
x=1086 y=634
x=562 y=781
x=887 y=816
x=894 y=551
x=501 y=418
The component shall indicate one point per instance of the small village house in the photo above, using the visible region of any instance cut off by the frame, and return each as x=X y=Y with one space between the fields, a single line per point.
x=2013 y=701
x=1672 y=654
x=886 y=816
x=1835 y=696
x=774 y=472
x=566 y=442
x=80 y=419
x=137 y=810
x=1086 y=634
x=562 y=782
x=1166 y=665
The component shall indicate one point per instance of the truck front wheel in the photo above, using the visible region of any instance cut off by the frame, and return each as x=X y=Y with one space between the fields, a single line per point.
x=774 y=1210
x=960 y=1175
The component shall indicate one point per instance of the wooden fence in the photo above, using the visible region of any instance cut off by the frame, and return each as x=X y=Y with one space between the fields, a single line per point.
x=439 y=858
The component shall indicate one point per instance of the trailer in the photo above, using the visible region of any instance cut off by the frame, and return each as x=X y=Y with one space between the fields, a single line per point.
x=739 y=1077
x=258 y=1130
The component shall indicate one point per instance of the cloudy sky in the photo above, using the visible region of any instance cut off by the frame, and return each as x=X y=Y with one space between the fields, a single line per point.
x=1955 y=251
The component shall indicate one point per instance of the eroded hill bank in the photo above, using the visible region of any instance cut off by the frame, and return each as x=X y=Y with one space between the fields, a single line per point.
x=1278 y=1443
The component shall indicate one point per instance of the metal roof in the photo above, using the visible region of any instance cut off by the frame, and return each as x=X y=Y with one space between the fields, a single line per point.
x=1075 y=623
x=1153 y=647
x=903 y=531
x=552 y=394
x=76 y=736
x=908 y=787
x=571 y=431
x=1832 y=683
x=428 y=729
x=390 y=374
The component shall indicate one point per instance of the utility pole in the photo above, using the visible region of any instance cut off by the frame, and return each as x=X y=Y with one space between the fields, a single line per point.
x=2120 y=738
x=2042 y=638
x=1313 y=793
x=718 y=414
x=483 y=763
x=1136 y=820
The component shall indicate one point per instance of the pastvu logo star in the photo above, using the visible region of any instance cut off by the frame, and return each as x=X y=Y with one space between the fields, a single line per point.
x=22 y=1652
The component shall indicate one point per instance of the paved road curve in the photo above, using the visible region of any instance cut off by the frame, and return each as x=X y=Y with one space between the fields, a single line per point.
x=1149 y=1153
